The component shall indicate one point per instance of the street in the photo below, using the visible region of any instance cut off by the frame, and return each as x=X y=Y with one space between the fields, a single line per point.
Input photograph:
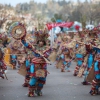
x=59 y=86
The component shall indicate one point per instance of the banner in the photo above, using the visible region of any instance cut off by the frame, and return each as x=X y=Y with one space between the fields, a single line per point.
x=65 y=24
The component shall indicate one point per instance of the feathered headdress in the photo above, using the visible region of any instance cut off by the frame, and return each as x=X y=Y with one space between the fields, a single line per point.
x=41 y=35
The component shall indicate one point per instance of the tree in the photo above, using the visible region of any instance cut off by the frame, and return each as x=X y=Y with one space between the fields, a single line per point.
x=56 y=17
x=94 y=13
x=18 y=8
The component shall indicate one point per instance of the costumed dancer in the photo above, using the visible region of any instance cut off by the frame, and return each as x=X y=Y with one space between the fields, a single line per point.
x=67 y=53
x=66 y=57
x=15 y=51
x=57 y=45
x=62 y=44
x=2 y=65
x=96 y=81
x=38 y=66
x=79 y=54
x=90 y=53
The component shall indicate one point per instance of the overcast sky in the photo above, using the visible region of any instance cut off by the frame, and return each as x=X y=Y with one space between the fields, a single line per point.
x=14 y=2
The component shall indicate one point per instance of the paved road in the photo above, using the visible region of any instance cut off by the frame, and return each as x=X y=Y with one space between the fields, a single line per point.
x=59 y=86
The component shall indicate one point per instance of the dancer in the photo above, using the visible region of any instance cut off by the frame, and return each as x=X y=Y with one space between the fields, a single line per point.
x=3 y=67
x=38 y=66
x=96 y=80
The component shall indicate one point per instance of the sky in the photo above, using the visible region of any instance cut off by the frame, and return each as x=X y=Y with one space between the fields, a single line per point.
x=14 y=2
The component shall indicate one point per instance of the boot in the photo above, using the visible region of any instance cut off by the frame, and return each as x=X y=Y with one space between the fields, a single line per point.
x=26 y=84
x=76 y=71
x=31 y=91
x=85 y=83
x=94 y=91
x=1 y=75
x=74 y=74
x=62 y=69
x=13 y=67
x=68 y=70
x=38 y=92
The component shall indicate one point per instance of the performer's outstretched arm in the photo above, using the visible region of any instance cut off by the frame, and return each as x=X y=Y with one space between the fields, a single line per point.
x=26 y=44
x=29 y=46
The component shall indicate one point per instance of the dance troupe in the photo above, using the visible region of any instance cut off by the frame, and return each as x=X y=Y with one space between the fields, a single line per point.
x=31 y=54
